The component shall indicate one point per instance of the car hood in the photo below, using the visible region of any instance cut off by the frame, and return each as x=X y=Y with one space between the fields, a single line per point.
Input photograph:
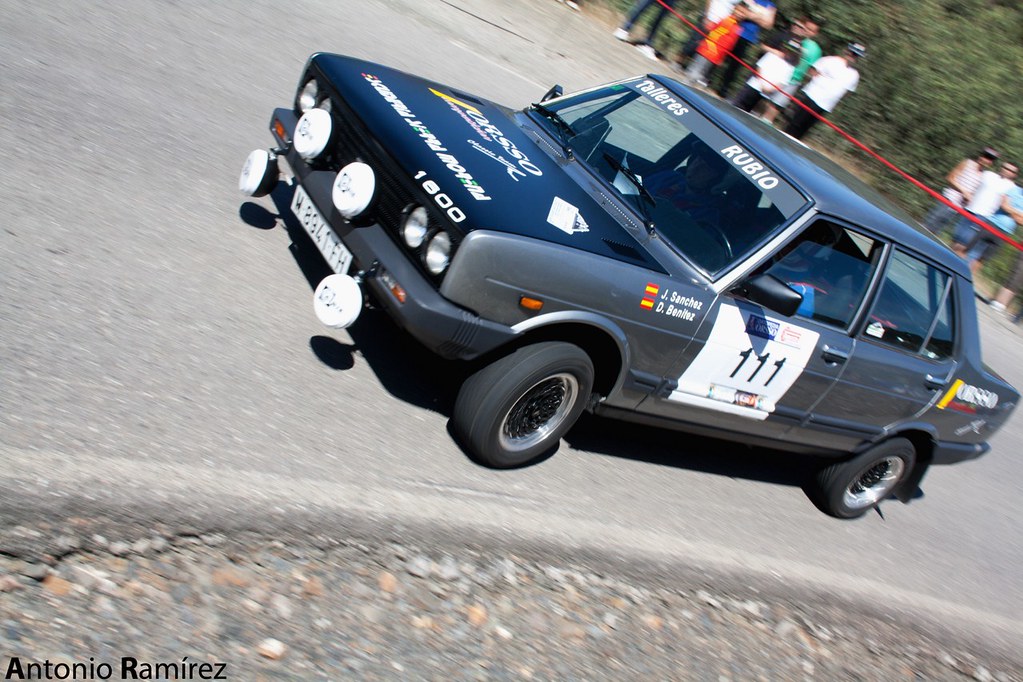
x=477 y=155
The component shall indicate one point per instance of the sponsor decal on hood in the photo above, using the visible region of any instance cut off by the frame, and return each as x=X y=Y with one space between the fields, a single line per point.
x=479 y=162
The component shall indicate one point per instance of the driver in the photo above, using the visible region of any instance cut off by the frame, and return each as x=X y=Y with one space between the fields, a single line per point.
x=691 y=188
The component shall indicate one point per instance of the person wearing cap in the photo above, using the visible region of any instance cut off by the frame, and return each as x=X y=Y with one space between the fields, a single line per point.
x=831 y=78
x=774 y=69
x=963 y=181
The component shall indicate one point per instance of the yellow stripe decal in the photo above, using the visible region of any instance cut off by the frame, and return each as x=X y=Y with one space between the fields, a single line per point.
x=943 y=403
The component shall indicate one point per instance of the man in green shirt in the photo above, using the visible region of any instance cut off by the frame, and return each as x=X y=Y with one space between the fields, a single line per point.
x=804 y=30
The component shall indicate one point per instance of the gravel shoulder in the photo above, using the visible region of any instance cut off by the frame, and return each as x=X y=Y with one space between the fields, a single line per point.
x=377 y=600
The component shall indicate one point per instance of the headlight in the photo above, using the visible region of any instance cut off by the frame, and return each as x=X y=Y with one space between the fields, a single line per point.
x=307 y=98
x=354 y=189
x=312 y=133
x=438 y=253
x=413 y=230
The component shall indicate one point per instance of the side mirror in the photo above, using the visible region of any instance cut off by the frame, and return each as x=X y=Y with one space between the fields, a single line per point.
x=770 y=292
x=556 y=91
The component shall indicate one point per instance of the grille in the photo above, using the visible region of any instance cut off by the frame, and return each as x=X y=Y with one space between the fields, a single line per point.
x=395 y=192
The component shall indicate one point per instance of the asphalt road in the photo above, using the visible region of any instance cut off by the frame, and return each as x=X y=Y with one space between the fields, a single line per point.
x=158 y=343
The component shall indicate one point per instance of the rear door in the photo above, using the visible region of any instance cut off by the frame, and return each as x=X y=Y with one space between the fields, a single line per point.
x=904 y=353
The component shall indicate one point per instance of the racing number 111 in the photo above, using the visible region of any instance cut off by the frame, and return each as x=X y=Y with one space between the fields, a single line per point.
x=761 y=361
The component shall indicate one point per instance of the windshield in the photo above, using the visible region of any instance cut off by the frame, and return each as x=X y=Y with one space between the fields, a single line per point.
x=699 y=189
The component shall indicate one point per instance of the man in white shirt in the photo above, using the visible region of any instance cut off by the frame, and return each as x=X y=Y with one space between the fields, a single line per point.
x=774 y=70
x=969 y=239
x=830 y=79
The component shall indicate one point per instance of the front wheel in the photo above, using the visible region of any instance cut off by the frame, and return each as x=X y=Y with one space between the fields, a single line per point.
x=518 y=408
x=850 y=489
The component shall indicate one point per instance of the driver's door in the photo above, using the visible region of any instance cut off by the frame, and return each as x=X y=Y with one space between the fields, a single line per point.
x=755 y=371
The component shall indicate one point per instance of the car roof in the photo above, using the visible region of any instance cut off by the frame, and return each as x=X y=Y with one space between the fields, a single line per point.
x=833 y=189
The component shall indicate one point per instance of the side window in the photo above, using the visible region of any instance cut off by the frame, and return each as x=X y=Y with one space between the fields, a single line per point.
x=831 y=266
x=914 y=309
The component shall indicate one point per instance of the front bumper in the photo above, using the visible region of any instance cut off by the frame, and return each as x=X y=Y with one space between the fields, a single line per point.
x=447 y=329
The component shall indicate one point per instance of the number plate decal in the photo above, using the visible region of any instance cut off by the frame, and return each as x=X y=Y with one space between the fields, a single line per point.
x=747 y=364
x=338 y=257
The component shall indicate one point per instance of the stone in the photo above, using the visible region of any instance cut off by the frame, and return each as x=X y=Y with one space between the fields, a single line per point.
x=230 y=576
x=271 y=648
x=282 y=606
x=312 y=587
x=8 y=583
x=119 y=548
x=653 y=622
x=387 y=582
x=447 y=569
x=476 y=614
x=35 y=571
x=56 y=585
x=419 y=566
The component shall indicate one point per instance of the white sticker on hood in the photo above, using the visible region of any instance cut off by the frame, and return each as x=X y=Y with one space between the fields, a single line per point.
x=566 y=218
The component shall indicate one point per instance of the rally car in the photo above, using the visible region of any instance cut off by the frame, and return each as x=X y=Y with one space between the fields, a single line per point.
x=642 y=251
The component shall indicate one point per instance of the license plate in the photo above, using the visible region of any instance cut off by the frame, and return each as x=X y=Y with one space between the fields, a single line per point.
x=339 y=258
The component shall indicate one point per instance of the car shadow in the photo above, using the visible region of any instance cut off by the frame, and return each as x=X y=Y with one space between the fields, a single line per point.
x=404 y=367
x=665 y=447
x=413 y=374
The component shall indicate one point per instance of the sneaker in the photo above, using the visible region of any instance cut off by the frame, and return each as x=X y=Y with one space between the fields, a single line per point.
x=572 y=5
x=998 y=306
x=647 y=51
x=621 y=34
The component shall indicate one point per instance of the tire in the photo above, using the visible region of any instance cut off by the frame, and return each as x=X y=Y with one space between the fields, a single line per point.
x=516 y=409
x=849 y=489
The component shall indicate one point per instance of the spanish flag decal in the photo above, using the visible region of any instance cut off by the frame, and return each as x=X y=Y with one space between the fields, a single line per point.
x=950 y=394
x=649 y=295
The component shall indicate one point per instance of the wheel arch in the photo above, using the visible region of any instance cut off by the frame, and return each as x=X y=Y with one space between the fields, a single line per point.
x=924 y=442
x=600 y=338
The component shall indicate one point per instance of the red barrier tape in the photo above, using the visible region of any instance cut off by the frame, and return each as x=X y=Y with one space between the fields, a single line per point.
x=888 y=164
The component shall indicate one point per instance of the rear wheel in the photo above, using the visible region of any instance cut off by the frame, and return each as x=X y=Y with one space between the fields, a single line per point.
x=517 y=409
x=850 y=489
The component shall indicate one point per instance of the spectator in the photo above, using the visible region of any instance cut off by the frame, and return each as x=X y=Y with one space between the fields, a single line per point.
x=716 y=11
x=1008 y=218
x=753 y=15
x=830 y=79
x=641 y=6
x=775 y=68
x=712 y=51
x=804 y=30
x=963 y=181
x=971 y=241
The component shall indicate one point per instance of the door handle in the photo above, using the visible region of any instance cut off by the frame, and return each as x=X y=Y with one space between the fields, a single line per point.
x=934 y=383
x=834 y=356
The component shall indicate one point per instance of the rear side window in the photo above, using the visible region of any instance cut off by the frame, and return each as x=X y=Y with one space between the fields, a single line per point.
x=914 y=310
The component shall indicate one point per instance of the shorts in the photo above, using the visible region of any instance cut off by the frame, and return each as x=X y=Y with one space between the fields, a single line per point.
x=781 y=100
x=981 y=248
x=965 y=232
x=978 y=242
